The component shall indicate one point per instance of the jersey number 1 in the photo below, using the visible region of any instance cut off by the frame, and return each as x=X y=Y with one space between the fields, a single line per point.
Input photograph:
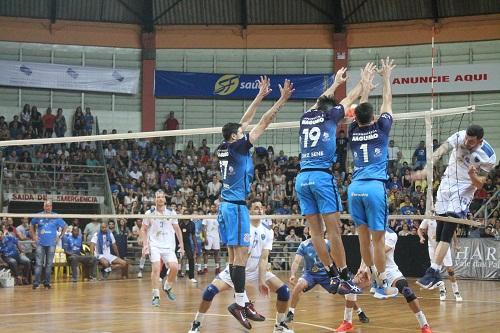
x=312 y=134
x=364 y=148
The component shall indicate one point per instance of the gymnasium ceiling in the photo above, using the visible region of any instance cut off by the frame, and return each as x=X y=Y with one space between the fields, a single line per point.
x=150 y=13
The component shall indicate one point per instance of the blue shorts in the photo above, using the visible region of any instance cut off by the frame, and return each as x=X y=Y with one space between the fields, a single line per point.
x=317 y=193
x=323 y=279
x=199 y=247
x=234 y=224
x=368 y=203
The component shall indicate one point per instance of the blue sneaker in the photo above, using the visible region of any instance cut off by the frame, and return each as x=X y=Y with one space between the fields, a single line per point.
x=385 y=292
x=155 y=301
x=334 y=285
x=348 y=287
x=431 y=279
x=170 y=294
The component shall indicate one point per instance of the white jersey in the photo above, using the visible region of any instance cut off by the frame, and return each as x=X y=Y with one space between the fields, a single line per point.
x=391 y=238
x=161 y=233
x=106 y=249
x=211 y=225
x=430 y=225
x=261 y=238
x=482 y=157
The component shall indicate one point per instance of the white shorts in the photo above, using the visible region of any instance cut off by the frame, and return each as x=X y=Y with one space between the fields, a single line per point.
x=393 y=275
x=453 y=197
x=252 y=277
x=213 y=242
x=447 y=261
x=167 y=255
x=109 y=257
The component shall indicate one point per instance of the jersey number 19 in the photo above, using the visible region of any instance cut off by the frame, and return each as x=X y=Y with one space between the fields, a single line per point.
x=312 y=134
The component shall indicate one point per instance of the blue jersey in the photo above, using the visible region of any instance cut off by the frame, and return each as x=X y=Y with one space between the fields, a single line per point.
x=369 y=146
x=47 y=230
x=236 y=166
x=318 y=130
x=312 y=263
x=72 y=245
x=198 y=227
x=9 y=246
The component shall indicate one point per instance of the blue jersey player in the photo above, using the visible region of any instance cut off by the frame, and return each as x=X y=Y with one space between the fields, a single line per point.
x=237 y=173
x=367 y=197
x=313 y=274
x=315 y=185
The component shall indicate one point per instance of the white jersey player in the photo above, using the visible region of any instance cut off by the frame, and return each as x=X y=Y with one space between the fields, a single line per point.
x=429 y=226
x=158 y=235
x=212 y=239
x=470 y=160
x=261 y=241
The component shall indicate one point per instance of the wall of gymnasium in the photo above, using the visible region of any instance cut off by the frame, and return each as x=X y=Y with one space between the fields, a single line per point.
x=114 y=111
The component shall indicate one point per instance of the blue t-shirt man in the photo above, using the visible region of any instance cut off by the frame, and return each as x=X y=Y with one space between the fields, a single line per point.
x=72 y=244
x=47 y=229
x=9 y=246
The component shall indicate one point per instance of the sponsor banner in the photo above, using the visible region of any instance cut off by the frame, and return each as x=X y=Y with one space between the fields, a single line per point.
x=67 y=77
x=449 y=78
x=478 y=258
x=235 y=86
x=61 y=198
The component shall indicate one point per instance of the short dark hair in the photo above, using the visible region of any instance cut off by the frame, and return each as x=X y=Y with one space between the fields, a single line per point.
x=324 y=103
x=229 y=129
x=364 y=113
x=475 y=130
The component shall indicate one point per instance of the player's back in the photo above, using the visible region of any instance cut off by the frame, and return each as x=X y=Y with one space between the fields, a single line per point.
x=369 y=146
x=318 y=137
x=236 y=168
x=312 y=263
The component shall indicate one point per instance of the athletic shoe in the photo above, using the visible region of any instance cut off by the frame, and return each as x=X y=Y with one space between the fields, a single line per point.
x=200 y=272
x=289 y=317
x=348 y=287
x=35 y=286
x=239 y=313
x=217 y=271
x=195 y=327
x=363 y=318
x=92 y=279
x=426 y=329
x=431 y=279
x=193 y=280
x=458 y=297
x=385 y=292
x=47 y=285
x=139 y=275
x=334 y=285
x=252 y=314
x=442 y=294
x=181 y=274
x=282 y=328
x=155 y=301
x=170 y=294
x=345 y=327
x=74 y=280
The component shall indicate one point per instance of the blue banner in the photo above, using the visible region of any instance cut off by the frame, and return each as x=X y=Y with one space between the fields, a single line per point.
x=235 y=86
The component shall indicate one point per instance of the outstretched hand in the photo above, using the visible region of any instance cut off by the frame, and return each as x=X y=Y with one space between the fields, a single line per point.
x=264 y=86
x=340 y=77
x=286 y=90
x=387 y=67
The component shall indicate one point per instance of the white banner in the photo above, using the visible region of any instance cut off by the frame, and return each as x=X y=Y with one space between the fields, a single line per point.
x=67 y=77
x=450 y=78
x=62 y=198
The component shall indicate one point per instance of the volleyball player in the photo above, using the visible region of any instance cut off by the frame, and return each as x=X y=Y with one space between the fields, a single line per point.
x=470 y=160
x=261 y=240
x=314 y=273
x=315 y=185
x=429 y=226
x=395 y=279
x=158 y=235
x=237 y=172
x=367 y=199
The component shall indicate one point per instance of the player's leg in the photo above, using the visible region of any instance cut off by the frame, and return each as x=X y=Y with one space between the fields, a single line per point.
x=402 y=285
x=282 y=297
x=155 y=275
x=119 y=263
x=205 y=260
x=217 y=255
x=190 y=264
x=170 y=259
x=451 y=275
x=304 y=284
x=346 y=325
x=142 y=262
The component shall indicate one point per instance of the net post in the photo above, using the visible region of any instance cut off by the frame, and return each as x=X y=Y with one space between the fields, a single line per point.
x=430 y=164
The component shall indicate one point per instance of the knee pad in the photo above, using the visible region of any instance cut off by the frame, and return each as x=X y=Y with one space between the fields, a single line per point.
x=210 y=292
x=406 y=291
x=451 y=273
x=351 y=297
x=283 y=293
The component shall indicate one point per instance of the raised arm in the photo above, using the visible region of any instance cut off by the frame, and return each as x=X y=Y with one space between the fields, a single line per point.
x=340 y=79
x=264 y=90
x=268 y=117
x=385 y=72
x=355 y=93
x=436 y=156
x=367 y=84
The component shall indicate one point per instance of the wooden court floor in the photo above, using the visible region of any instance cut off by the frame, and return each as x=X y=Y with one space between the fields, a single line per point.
x=124 y=306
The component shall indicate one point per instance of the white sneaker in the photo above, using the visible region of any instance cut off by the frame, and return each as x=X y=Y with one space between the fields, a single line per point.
x=442 y=295
x=195 y=327
x=193 y=280
x=458 y=297
x=139 y=275
x=282 y=328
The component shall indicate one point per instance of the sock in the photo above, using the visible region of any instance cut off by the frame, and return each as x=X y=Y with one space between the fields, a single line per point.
x=187 y=267
x=156 y=293
x=240 y=299
x=344 y=273
x=359 y=310
x=167 y=286
x=442 y=288
x=454 y=285
x=436 y=267
x=292 y=310
x=205 y=265
x=246 y=297
x=280 y=317
x=239 y=284
x=217 y=265
x=199 y=317
x=422 y=321
x=348 y=315
x=198 y=267
x=142 y=261
x=332 y=270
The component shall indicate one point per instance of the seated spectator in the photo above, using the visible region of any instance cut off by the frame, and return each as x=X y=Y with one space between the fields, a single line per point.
x=135 y=173
x=23 y=230
x=204 y=150
x=72 y=245
x=394 y=184
x=101 y=244
x=109 y=152
x=12 y=254
x=136 y=229
x=214 y=188
x=306 y=234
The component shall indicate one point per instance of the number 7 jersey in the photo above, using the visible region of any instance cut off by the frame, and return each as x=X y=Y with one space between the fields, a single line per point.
x=369 y=147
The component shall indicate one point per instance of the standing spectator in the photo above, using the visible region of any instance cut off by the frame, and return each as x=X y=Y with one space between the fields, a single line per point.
x=46 y=237
x=78 y=122
x=88 y=122
x=60 y=124
x=48 y=121
x=204 y=150
x=419 y=156
x=109 y=152
x=281 y=159
x=90 y=229
x=292 y=237
x=171 y=124
x=26 y=115
x=36 y=122
x=395 y=156
x=72 y=245
x=15 y=121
